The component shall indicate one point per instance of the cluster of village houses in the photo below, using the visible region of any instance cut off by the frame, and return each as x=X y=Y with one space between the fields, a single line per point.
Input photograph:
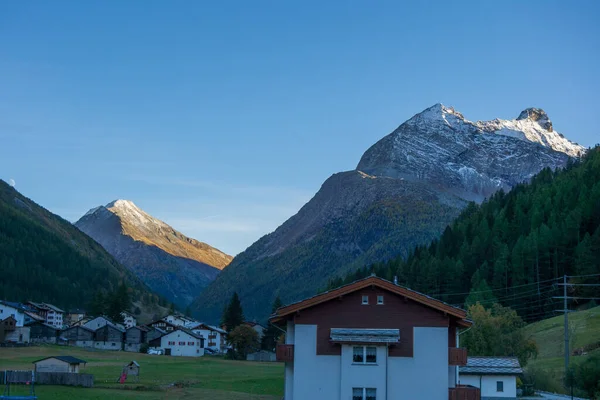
x=175 y=334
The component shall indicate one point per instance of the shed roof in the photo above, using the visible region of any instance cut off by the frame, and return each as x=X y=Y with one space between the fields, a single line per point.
x=491 y=366
x=344 y=335
x=67 y=359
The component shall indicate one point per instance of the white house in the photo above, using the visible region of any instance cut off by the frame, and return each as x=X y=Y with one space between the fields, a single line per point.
x=129 y=320
x=180 y=342
x=12 y=310
x=51 y=314
x=180 y=320
x=215 y=337
x=260 y=330
x=371 y=340
x=495 y=376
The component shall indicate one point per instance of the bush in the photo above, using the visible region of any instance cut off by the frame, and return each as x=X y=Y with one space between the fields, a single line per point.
x=144 y=348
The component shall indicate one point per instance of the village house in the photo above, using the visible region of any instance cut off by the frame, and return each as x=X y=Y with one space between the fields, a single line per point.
x=74 y=316
x=83 y=321
x=11 y=309
x=41 y=332
x=109 y=337
x=180 y=320
x=51 y=314
x=99 y=322
x=180 y=342
x=58 y=364
x=214 y=337
x=135 y=336
x=129 y=319
x=79 y=336
x=153 y=333
x=495 y=376
x=371 y=340
x=257 y=327
x=163 y=325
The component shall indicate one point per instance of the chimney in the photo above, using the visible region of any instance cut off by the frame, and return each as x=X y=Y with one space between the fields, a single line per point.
x=395 y=280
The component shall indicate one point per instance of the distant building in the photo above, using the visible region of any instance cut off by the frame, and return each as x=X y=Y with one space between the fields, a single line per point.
x=129 y=319
x=257 y=327
x=41 y=332
x=51 y=314
x=79 y=336
x=102 y=321
x=495 y=376
x=109 y=337
x=135 y=336
x=163 y=325
x=58 y=364
x=214 y=337
x=74 y=316
x=371 y=339
x=180 y=320
x=11 y=309
x=180 y=342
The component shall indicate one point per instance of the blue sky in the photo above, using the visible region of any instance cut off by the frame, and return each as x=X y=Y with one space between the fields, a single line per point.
x=224 y=118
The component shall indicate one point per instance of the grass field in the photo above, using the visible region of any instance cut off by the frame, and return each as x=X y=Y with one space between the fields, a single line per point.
x=161 y=377
x=549 y=336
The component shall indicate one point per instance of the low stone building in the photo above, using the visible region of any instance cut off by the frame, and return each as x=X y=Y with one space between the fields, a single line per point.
x=109 y=337
x=135 y=337
x=79 y=336
x=41 y=332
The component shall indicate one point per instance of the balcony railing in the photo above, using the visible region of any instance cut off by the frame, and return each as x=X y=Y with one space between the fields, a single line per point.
x=463 y=392
x=457 y=356
x=285 y=352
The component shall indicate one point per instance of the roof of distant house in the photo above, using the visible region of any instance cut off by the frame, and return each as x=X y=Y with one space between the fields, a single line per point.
x=491 y=366
x=208 y=327
x=54 y=308
x=421 y=298
x=67 y=359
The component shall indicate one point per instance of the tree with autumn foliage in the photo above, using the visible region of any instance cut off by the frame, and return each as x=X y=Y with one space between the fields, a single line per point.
x=496 y=331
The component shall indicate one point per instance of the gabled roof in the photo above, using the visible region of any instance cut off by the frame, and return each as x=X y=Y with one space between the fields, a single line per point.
x=54 y=308
x=195 y=335
x=79 y=327
x=67 y=359
x=34 y=316
x=491 y=366
x=209 y=328
x=421 y=298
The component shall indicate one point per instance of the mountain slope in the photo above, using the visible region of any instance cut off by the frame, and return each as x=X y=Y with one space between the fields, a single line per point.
x=514 y=248
x=46 y=259
x=170 y=263
x=407 y=187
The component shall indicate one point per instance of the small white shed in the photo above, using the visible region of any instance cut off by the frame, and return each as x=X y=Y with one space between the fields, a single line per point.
x=495 y=376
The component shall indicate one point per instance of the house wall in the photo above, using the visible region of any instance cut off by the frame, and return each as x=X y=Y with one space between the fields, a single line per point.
x=54 y=318
x=186 y=350
x=52 y=365
x=19 y=335
x=133 y=347
x=7 y=311
x=487 y=384
x=452 y=376
x=289 y=366
x=430 y=359
x=78 y=336
x=397 y=312
x=108 y=345
x=363 y=375
x=315 y=377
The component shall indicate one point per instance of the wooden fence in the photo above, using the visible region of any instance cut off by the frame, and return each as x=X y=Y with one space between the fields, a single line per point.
x=48 y=378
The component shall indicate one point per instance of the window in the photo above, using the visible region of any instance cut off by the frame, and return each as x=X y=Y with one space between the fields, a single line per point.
x=499 y=386
x=379 y=300
x=364 y=355
x=364 y=394
x=182 y=343
x=365 y=300
x=190 y=343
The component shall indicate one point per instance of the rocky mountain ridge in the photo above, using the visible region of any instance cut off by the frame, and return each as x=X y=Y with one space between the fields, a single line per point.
x=405 y=190
x=169 y=262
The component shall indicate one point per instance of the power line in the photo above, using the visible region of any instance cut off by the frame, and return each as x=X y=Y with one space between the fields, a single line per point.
x=582 y=276
x=492 y=290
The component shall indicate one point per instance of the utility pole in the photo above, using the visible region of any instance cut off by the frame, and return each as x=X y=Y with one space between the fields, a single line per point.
x=566 y=324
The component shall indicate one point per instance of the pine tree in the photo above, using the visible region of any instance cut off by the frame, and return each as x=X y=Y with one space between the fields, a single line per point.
x=233 y=315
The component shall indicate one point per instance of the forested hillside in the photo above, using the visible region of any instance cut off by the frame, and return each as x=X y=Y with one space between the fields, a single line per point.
x=46 y=259
x=514 y=248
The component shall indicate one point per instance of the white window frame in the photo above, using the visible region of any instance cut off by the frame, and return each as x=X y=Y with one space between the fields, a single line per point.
x=365 y=300
x=364 y=392
x=364 y=354
x=380 y=300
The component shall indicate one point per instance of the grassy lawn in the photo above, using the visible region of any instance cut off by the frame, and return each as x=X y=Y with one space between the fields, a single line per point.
x=161 y=377
x=549 y=336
